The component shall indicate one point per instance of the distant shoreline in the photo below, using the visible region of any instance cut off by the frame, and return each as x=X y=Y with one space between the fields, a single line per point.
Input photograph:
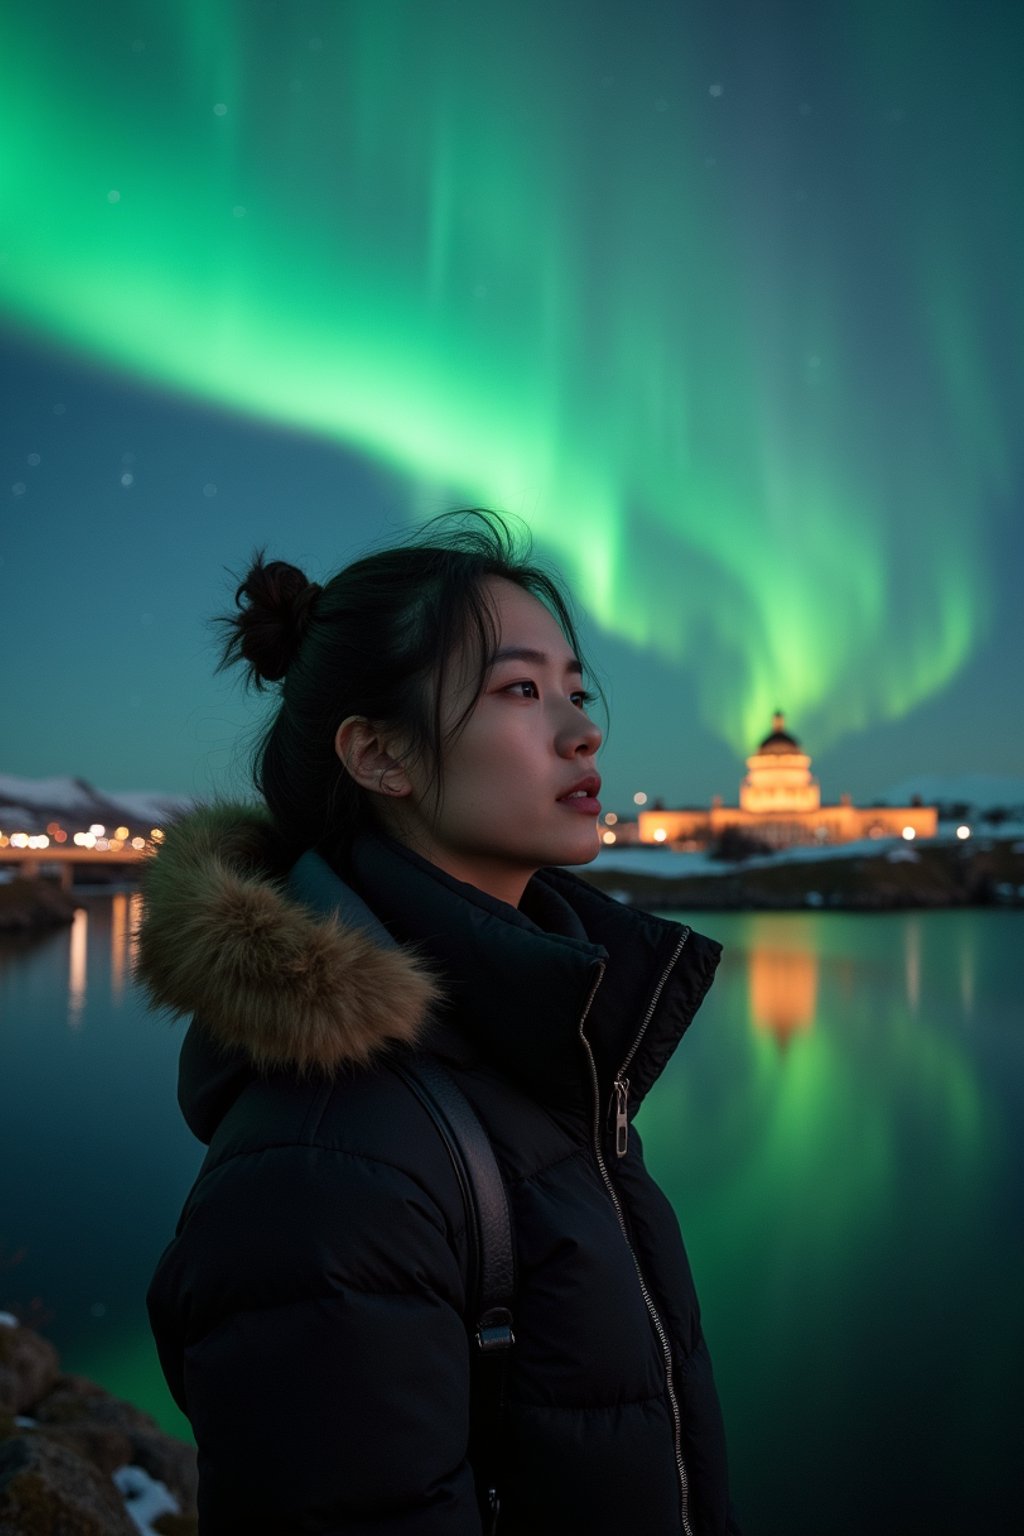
x=987 y=873
x=28 y=905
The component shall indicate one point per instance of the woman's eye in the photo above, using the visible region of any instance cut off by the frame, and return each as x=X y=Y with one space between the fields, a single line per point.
x=581 y=698
x=530 y=690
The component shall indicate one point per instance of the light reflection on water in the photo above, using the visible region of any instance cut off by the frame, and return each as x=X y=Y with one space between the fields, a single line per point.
x=912 y=950
x=783 y=981
x=78 y=952
x=122 y=923
x=840 y=1133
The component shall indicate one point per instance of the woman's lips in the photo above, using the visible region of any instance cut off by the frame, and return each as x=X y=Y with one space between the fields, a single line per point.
x=584 y=805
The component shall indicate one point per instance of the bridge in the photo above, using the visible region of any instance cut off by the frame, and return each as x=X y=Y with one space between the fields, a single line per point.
x=30 y=854
x=30 y=862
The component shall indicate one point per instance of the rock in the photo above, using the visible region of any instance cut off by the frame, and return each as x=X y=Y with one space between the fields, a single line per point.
x=30 y=905
x=106 y=1449
x=83 y=1426
x=28 y=1369
x=177 y=1525
x=67 y=1381
x=145 y=1499
x=171 y=1462
x=77 y=1405
x=46 y=1490
x=73 y=1401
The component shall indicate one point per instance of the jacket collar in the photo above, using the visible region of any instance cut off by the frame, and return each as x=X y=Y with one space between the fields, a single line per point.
x=519 y=984
x=302 y=971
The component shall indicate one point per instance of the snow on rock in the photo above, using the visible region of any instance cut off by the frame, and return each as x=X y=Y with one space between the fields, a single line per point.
x=144 y=1498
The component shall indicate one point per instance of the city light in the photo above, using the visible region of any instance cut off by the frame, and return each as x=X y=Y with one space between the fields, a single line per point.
x=93 y=840
x=611 y=819
x=909 y=834
x=963 y=832
x=660 y=834
x=639 y=798
x=156 y=835
x=608 y=837
x=97 y=830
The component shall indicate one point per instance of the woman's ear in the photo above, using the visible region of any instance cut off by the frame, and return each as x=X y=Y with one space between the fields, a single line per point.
x=367 y=758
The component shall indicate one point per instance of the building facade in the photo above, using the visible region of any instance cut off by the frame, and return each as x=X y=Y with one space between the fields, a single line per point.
x=780 y=805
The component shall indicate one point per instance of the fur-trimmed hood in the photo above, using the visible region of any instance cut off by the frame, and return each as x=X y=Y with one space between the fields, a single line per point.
x=224 y=937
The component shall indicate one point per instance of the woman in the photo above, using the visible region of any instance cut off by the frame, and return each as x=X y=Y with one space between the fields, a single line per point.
x=431 y=756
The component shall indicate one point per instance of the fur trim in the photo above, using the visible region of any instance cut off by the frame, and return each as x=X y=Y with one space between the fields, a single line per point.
x=220 y=939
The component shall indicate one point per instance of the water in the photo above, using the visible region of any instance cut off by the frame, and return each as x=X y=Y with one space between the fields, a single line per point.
x=841 y=1134
x=96 y=1158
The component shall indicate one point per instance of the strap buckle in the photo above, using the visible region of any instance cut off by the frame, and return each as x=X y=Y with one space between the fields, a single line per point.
x=494 y=1331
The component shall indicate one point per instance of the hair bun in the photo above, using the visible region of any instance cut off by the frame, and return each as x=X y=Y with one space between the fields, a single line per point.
x=275 y=603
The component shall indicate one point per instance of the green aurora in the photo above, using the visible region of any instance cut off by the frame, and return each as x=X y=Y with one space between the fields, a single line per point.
x=702 y=302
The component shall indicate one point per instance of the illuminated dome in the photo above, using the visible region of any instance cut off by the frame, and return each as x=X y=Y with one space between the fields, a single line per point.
x=779 y=740
x=780 y=804
x=778 y=780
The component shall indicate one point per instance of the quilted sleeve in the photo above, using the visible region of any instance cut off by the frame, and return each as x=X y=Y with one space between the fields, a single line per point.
x=309 y=1320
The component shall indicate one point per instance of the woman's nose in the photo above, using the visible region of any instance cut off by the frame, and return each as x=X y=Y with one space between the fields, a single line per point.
x=580 y=735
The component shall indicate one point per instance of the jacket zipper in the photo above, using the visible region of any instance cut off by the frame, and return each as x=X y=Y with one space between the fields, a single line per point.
x=620 y=1087
x=659 y=1327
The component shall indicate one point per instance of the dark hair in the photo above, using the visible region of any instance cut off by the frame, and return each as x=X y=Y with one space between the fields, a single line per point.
x=376 y=640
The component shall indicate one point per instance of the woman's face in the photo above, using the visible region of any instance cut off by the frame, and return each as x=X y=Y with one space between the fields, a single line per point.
x=519 y=784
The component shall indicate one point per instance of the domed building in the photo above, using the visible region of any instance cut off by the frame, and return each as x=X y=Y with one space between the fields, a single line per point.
x=780 y=804
x=779 y=776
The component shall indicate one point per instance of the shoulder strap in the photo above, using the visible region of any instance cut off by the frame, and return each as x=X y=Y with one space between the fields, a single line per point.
x=491 y=1255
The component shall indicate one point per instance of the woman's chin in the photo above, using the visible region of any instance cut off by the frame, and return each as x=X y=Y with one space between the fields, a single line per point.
x=584 y=852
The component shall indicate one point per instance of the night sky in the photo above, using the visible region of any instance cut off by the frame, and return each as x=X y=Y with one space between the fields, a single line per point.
x=725 y=299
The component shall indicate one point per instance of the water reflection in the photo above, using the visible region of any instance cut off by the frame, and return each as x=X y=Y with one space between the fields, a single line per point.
x=912 y=963
x=134 y=919
x=77 y=967
x=118 y=943
x=119 y=923
x=125 y=916
x=783 y=990
x=966 y=969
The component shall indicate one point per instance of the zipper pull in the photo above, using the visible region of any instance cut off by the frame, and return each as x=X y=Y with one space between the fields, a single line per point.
x=621 y=1086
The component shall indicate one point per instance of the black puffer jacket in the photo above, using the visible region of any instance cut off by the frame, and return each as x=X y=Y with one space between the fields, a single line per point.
x=310 y=1311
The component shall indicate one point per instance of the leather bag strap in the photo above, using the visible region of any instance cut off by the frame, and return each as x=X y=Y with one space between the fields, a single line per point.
x=491 y=1280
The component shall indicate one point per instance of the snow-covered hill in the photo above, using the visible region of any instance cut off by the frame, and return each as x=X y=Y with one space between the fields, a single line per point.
x=26 y=805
